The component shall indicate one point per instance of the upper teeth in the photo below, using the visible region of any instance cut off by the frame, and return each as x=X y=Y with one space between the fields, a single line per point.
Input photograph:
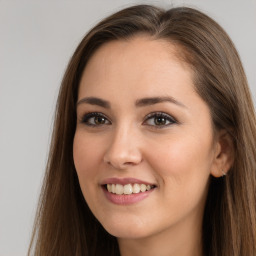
x=128 y=188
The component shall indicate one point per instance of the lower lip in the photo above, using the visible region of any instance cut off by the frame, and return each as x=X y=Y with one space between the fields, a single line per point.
x=127 y=199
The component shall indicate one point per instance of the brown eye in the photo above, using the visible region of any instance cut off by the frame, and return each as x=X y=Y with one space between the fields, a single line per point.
x=95 y=119
x=159 y=120
x=99 y=120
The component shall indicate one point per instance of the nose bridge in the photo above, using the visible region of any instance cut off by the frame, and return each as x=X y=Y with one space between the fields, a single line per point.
x=123 y=149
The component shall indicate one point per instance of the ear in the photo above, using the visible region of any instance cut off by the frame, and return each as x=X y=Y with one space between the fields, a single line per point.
x=224 y=154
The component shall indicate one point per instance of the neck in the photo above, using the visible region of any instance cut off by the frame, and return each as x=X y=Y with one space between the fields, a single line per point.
x=185 y=239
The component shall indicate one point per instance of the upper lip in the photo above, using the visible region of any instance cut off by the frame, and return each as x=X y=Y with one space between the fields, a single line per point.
x=124 y=181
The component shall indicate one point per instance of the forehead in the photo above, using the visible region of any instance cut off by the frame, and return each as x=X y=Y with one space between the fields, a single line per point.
x=141 y=46
x=140 y=64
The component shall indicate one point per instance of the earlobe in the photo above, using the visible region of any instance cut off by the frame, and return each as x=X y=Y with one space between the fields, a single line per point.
x=224 y=154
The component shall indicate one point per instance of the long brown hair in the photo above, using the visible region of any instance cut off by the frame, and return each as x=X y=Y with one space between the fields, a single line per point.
x=65 y=226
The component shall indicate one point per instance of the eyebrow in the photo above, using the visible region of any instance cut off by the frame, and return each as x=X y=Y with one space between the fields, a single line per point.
x=154 y=100
x=94 y=101
x=139 y=103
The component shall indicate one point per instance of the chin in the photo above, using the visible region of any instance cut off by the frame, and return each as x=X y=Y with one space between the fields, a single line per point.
x=126 y=230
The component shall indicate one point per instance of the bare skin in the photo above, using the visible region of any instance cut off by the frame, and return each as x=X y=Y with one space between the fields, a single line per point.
x=138 y=116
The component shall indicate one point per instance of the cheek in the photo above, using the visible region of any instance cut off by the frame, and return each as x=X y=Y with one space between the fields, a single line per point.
x=182 y=166
x=183 y=176
x=180 y=156
x=86 y=158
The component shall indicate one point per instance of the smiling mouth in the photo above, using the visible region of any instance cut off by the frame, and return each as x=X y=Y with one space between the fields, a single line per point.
x=128 y=189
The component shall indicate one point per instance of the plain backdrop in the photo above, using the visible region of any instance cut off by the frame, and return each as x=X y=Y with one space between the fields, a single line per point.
x=37 y=38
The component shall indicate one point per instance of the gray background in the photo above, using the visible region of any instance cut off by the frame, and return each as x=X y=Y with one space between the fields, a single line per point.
x=37 y=39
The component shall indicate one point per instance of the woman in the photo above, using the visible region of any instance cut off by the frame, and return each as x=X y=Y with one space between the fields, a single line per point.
x=153 y=149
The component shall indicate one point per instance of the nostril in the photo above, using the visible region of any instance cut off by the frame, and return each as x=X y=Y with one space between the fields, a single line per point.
x=122 y=154
x=129 y=163
x=119 y=163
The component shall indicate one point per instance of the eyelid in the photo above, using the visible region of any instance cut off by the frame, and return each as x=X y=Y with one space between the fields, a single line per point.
x=170 y=118
x=85 y=117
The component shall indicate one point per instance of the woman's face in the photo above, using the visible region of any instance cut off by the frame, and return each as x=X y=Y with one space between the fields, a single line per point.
x=140 y=124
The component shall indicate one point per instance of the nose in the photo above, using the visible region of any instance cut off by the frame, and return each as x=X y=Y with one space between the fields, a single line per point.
x=123 y=150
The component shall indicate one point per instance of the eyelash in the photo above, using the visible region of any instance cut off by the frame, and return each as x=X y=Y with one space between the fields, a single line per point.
x=162 y=115
x=88 y=116
x=165 y=117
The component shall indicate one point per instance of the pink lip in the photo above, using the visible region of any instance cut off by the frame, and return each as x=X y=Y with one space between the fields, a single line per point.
x=124 y=181
x=126 y=199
